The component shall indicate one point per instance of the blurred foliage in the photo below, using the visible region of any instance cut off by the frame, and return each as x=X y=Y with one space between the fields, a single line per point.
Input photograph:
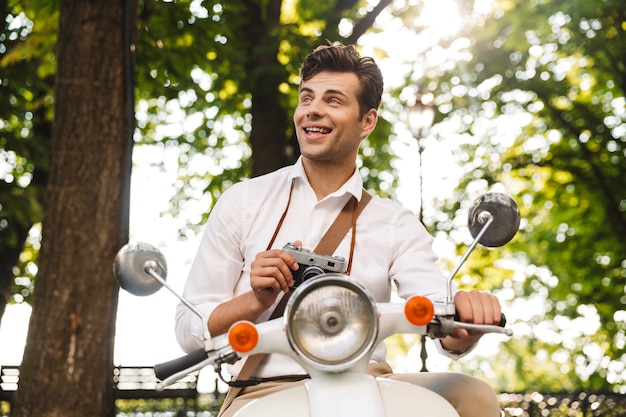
x=532 y=404
x=200 y=67
x=538 y=404
x=541 y=115
x=203 y=73
x=534 y=91
x=164 y=406
x=26 y=79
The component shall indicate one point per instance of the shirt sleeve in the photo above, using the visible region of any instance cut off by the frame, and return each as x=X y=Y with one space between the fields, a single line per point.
x=414 y=268
x=452 y=355
x=413 y=265
x=215 y=270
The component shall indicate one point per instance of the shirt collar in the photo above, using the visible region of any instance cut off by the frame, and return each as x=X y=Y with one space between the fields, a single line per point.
x=353 y=186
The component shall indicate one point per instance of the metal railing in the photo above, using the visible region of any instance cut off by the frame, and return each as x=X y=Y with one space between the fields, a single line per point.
x=129 y=382
x=139 y=383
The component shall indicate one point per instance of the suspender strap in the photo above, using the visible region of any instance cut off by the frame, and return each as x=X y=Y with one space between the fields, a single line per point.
x=327 y=245
x=344 y=221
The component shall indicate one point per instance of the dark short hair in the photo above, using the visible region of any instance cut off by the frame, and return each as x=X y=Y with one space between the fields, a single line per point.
x=345 y=58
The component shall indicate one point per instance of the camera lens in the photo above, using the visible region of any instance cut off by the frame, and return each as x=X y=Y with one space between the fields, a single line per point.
x=310 y=272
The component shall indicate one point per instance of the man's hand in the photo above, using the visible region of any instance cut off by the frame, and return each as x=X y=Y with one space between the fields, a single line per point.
x=472 y=307
x=270 y=274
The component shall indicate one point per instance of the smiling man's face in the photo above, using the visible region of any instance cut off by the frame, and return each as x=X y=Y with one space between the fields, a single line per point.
x=327 y=122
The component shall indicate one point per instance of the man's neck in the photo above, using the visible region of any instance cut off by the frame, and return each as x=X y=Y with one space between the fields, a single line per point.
x=325 y=179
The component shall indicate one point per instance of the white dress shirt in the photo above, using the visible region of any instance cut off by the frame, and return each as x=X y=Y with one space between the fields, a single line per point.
x=391 y=245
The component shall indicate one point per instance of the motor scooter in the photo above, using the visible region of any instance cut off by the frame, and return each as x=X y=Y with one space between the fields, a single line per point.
x=331 y=326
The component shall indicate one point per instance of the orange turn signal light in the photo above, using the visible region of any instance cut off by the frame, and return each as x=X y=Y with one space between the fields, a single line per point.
x=419 y=310
x=243 y=336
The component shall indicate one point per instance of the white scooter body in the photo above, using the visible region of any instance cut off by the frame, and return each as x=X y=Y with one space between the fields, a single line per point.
x=348 y=395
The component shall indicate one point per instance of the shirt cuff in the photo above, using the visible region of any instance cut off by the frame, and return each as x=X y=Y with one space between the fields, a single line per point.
x=456 y=355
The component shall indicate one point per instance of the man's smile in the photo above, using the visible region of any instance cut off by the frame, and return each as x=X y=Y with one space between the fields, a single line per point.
x=317 y=129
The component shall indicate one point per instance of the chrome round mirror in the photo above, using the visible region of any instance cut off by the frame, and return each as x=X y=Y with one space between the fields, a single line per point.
x=506 y=219
x=131 y=266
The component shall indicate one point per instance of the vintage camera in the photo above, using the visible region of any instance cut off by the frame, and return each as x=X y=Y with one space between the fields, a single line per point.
x=312 y=264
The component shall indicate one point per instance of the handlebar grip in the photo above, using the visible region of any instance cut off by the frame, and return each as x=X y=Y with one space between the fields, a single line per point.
x=169 y=368
x=501 y=324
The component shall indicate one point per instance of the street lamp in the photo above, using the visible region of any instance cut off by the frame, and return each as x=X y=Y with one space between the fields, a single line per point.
x=420 y=115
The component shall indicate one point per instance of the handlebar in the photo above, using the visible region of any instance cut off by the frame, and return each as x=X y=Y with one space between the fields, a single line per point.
x=169 y=368
x=502 y=322
x=169 y=371
x=448 y=326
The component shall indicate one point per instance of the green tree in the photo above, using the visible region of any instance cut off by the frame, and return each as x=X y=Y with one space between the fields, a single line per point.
x=553 y=69
x=228 y=67
x=226 y=63
x=69 y=345
x=541 y=113
x=25 y=131
x=232 y=68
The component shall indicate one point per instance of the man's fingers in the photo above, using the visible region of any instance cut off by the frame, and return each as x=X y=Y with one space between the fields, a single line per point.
x=477 y=307
x=274 y=264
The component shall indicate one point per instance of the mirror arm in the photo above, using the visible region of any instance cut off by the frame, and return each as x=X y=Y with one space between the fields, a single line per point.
x=486 y=218
x=150 y=266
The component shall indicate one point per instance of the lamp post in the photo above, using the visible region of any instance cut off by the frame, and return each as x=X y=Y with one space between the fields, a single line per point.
x=420 y=115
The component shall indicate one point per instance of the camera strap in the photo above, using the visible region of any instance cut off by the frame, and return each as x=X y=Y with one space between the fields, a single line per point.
x=327 y=245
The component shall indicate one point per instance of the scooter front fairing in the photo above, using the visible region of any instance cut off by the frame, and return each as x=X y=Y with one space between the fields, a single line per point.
x=350 y=395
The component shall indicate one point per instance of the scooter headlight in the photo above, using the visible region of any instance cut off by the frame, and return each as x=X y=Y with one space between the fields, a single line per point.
x=331 y=322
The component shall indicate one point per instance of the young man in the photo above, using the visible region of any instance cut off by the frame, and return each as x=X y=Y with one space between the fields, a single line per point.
x=240 y=271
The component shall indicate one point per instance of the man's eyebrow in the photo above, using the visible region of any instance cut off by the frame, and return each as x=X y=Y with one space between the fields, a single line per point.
x=335 y=92
x=327 y=92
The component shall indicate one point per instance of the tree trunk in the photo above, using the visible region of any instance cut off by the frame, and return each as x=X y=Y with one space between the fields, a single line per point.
x=266 y=74
x=69 y=347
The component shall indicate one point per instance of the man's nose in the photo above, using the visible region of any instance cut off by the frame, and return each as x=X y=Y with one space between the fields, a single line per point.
x=315 y=109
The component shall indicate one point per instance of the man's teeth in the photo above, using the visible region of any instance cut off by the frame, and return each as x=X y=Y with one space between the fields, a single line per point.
x=317 y=129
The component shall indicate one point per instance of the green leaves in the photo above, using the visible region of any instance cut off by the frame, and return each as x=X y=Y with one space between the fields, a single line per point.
x=555 y=139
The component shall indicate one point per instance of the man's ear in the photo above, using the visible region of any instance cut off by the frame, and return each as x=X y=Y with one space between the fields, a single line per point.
x=368 y=122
